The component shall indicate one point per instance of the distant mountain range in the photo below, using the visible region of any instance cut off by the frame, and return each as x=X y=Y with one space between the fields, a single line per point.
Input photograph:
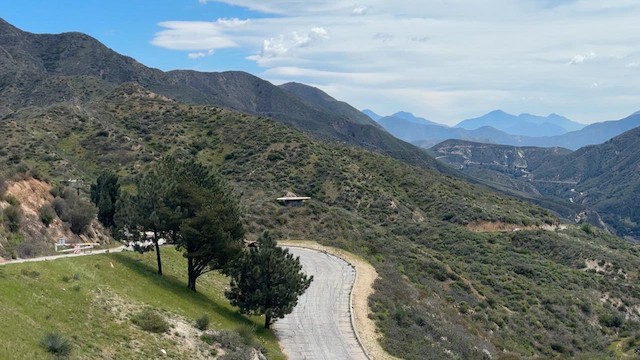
x=523 y=124
x=598 y=183
x=492 y=129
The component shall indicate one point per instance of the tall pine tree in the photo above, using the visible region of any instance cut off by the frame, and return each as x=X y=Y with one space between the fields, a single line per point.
x=104 y=194
x=211 y=231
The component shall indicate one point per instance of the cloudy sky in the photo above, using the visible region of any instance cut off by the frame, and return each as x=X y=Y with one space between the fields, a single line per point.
x=445 y=60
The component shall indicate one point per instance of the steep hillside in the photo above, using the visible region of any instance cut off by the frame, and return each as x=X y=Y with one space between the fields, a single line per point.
x=598 y=183
x=450 y=285
x=74 y=68
x=602 y=177
x=323 y=102
x=26 y=234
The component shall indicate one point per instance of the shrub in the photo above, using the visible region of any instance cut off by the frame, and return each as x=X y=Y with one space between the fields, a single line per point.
x=47 y=214
x=13 y=217
x=151 y=321
x=56 y=344
x=611 y=320
x=76 y=211
x=247 y=333
x=202 y=323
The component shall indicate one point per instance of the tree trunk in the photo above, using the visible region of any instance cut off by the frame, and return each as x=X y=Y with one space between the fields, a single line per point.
x=267 y=319
x=192 y=275
x=155 y=241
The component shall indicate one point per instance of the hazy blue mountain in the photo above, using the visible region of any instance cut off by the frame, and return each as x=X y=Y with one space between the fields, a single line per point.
x=414 y=119
x=429 y=134
x=370 y=113
x=523 y=124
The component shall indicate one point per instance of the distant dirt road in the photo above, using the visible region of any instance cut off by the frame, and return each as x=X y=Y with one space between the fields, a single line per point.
x=321 y=326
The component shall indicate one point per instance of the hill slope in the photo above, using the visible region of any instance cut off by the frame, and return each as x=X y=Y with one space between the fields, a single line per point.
x=448 y=285
x=91 y=301
x=599 y=182
x=73 y=67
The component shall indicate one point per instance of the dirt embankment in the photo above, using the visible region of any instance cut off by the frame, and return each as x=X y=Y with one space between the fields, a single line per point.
x=363 y=288
x=497 y=226
x=37 y=238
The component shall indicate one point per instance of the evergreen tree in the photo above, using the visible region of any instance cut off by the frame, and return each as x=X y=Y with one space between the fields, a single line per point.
x=211 y=231
x=150 y=210
x=267 y=280
x=104 y=194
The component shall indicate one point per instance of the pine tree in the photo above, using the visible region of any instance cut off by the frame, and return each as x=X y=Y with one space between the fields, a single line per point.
x=267 y=280
x=211 y=231
x=150 y=210
x=104 y=194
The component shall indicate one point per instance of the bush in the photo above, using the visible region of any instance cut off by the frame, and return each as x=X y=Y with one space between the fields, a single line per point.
x=202 y=323
x=247 y=333
x=47 y=214
x=151 y=321
x=76 y=211
x=13 y=217
x=56 y=344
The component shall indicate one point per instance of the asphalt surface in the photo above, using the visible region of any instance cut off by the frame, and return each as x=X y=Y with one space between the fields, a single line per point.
x=320 y=326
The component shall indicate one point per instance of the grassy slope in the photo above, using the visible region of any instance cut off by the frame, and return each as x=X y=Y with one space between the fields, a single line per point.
x=30 y=305
x=443 y=288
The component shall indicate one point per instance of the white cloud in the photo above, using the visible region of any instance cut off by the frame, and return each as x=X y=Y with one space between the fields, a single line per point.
x=360 y=10
x=580 y=58
x=200 y=54
x=451 y=58
x=282 y=45
x=196 y=35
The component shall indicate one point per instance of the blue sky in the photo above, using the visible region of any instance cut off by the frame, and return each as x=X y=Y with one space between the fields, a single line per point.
x=443 y=60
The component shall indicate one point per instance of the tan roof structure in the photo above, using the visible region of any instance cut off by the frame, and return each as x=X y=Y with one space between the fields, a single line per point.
x=293 y=199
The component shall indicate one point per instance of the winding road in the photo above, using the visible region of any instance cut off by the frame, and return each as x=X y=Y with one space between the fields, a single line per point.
x=320 y=326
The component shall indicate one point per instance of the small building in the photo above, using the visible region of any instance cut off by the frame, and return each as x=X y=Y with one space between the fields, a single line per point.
x=291 y=199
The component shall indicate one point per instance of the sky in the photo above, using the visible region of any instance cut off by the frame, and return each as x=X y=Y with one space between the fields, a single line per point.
x=445 y=60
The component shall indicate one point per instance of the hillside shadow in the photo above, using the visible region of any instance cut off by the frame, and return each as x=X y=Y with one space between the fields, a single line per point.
x=172 y=284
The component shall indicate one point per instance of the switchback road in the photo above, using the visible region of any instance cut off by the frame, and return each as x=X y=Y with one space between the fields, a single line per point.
x=320 y=326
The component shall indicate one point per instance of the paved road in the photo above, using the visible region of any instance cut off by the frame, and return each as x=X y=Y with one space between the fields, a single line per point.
x=320 y=325
x=54 y=257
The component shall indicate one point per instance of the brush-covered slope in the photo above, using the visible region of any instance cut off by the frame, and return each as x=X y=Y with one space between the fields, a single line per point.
x=597 y=183
x=602 y=177
x=74 y=68
x=450 y=286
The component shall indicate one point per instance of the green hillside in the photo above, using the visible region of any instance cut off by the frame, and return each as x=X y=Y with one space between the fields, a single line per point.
x=445 y=291
x=91 y=301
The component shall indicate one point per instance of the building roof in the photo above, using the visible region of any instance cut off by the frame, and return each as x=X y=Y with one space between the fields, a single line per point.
x=289 y=196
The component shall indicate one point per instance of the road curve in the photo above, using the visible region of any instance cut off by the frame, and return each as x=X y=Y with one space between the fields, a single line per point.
x=320 y=326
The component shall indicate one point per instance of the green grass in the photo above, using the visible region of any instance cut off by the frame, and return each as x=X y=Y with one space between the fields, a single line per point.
x=92 y=311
